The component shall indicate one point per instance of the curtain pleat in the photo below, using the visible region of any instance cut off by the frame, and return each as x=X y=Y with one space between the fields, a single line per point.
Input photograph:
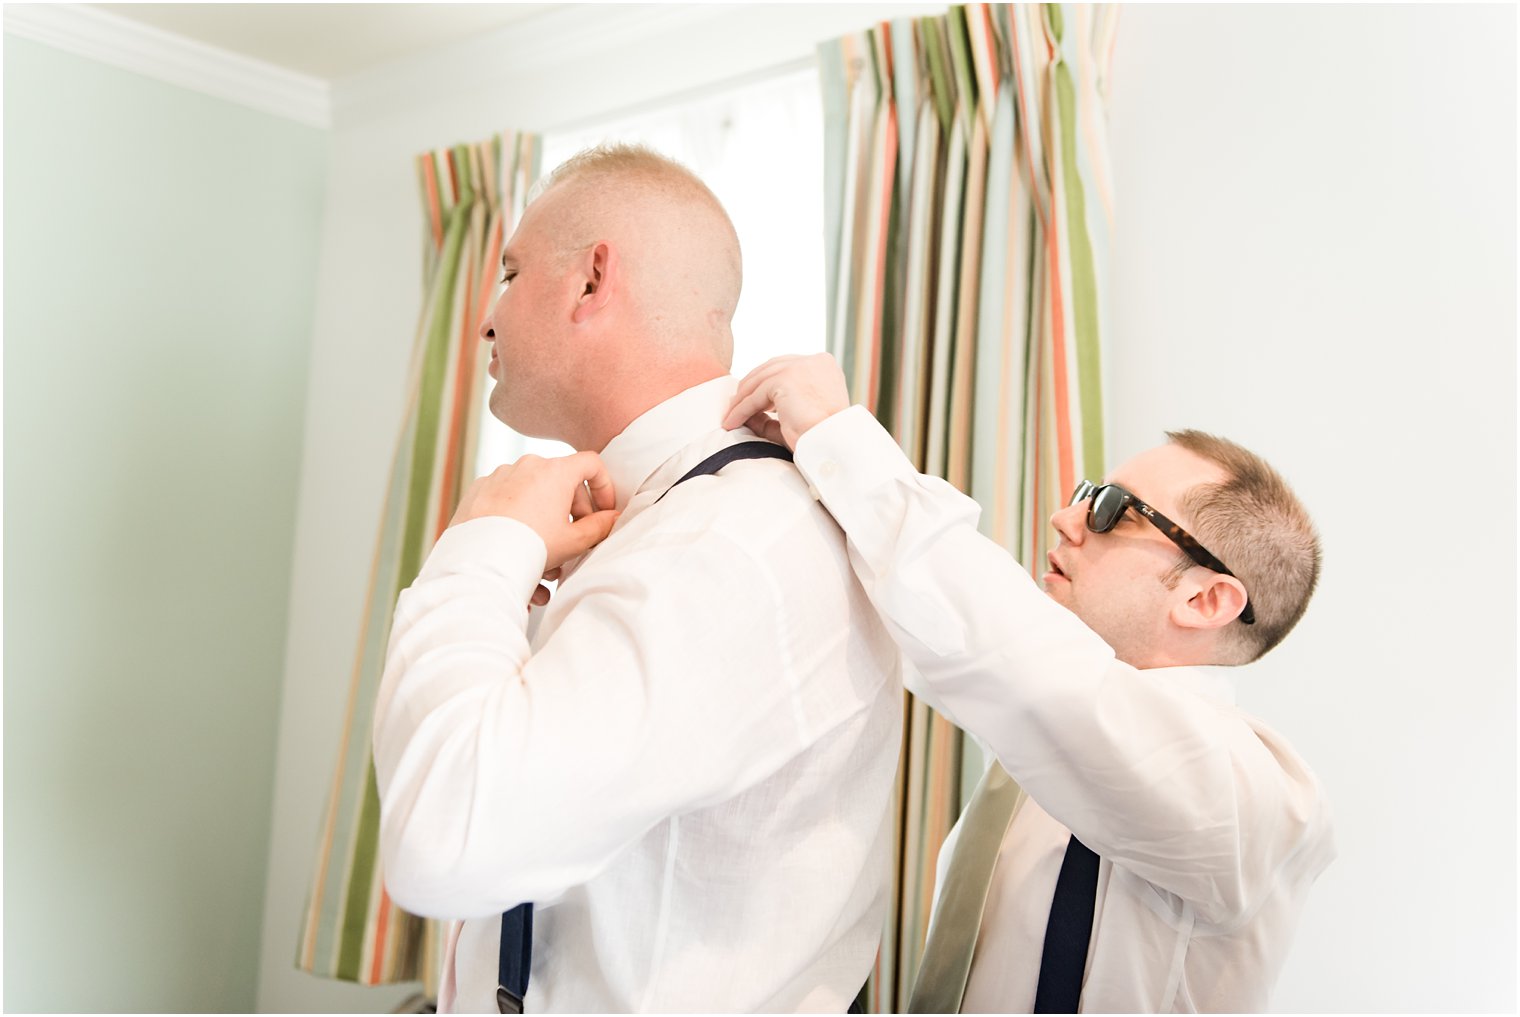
x=472 y=195
x=968 y=207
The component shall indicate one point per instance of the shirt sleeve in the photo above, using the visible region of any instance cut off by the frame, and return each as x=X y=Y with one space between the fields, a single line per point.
x=506 y=775
x=1181 y=790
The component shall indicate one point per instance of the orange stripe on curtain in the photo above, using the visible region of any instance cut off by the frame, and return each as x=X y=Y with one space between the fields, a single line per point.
x=382 y=925
x=1058 y=355
x=430 y=193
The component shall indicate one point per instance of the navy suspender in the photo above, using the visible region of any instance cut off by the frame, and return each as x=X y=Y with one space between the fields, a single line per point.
x=721 y=458
x=516 y=956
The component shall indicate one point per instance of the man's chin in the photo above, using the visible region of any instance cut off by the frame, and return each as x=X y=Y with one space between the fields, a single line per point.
x=501 y=406
x=526 y=420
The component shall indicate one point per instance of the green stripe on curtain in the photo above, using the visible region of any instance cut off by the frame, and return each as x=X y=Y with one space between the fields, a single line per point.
x=965 y=291
x=472 y=195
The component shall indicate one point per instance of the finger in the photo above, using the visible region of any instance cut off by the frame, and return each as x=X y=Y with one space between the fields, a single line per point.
x=755 y=380
x=593 y=529
x=540 y=596
x=755 y=402
x=775 y=364
x=552 y=574
x=765 y=370
x=593 y=473
x=580 y=502
x=766 y=426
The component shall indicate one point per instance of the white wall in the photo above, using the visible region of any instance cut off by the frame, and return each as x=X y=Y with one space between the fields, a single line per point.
x=1316 y=256
x=1314 y=204
x=158 y=308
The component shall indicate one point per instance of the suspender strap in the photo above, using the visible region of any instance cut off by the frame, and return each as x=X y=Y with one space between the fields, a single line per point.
x=516 y=957
x=1068 y=931
x=721 y=458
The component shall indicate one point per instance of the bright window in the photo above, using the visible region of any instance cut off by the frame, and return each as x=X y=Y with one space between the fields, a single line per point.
x=760 y=148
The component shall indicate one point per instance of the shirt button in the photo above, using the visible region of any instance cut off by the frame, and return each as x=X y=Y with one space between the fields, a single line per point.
x=814 y=492
x=828 y=468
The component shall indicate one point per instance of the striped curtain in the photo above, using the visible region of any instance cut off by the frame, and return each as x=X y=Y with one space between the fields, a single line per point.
x=968 y=207
x=472 y=196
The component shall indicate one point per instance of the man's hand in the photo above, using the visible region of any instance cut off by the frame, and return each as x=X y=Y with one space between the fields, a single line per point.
x=567 y=501
x=802 y=391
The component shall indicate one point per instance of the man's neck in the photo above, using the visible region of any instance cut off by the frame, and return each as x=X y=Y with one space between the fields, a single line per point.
x=632 y=393
x=1174 y=656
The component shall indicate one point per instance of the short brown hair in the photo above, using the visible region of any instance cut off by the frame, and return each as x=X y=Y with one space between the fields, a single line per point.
x=1257 y=526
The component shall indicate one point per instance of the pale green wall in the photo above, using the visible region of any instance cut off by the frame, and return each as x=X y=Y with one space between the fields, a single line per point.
x=160 y=277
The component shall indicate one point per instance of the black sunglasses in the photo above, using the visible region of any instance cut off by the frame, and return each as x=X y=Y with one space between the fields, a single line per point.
x=1108 y=504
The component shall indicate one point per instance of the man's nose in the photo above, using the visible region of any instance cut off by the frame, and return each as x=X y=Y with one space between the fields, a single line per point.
x=1071 y=522
x=487 y=333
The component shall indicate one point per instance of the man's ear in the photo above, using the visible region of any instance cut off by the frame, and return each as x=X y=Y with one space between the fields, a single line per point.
x=600 y=279
x=1215 y=600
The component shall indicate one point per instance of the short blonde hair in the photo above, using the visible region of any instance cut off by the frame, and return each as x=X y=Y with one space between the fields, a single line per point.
x=1257 y=526
x=643 y=168
x=635 y=163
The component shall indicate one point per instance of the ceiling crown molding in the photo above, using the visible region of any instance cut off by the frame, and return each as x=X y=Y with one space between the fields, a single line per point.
x=567 y=32
x=171 y=58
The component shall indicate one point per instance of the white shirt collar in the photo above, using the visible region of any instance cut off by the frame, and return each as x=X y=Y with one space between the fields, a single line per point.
x=637 y=454
x=1212 y=681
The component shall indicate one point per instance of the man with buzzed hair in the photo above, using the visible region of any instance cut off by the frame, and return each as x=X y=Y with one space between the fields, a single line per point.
x=1138 y=844
x=674 y=258
x=666 y=788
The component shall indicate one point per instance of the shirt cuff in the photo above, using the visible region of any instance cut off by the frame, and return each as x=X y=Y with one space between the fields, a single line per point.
x=491 y=546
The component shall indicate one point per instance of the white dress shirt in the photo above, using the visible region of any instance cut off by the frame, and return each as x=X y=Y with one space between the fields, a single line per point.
x=687 y=763
x=1210 y=829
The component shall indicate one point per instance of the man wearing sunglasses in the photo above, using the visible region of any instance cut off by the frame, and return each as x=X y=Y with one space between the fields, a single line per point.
x=1138 y=843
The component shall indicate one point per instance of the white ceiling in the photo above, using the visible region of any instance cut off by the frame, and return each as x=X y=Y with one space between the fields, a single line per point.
x=327 y=41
